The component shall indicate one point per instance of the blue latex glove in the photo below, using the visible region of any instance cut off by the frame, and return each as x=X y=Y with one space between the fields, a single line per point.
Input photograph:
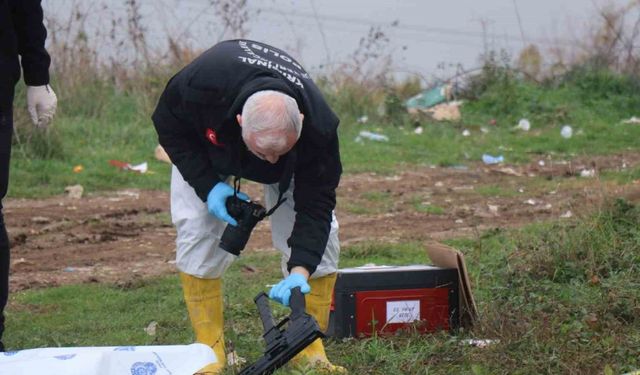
x=281 y=292
x=216 y=202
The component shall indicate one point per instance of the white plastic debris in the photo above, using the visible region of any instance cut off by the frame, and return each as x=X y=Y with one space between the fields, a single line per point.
x=74 y=191
x=479 y=343
x=418 y=130
x=541 y=163
x=490 y=159
x=233 y=359
x=524 y=125
x=363 y=119
x=142 y=167
x=466 y=133
x=373 y=136
x=531 y=202
x=566 y=132
x=588 y=173
x=567 y=214
x=632 y=120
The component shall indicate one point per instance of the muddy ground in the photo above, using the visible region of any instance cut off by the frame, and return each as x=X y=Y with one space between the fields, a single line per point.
x=122 y=236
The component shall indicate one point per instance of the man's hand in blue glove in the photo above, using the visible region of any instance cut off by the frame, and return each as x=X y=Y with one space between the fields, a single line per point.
x=216 y=202
x=281 y=292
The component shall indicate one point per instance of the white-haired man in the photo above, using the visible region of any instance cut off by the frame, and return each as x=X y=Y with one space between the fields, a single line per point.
x=244 y=109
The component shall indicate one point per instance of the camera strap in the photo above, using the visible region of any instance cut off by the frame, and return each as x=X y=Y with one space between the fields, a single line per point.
x=283 y=185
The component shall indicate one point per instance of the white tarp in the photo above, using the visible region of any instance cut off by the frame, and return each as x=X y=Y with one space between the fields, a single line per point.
x=108 y=360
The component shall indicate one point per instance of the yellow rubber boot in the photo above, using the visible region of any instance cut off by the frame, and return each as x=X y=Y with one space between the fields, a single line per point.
x=318 y=303
x=204 y=303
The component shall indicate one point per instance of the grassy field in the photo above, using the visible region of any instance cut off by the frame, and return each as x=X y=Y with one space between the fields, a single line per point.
x=561 y=298
x=98 y=123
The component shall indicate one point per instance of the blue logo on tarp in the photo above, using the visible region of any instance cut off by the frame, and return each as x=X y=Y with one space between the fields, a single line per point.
x=125 y=349
x=143 y=368
x=9 y=354
x=64 y=357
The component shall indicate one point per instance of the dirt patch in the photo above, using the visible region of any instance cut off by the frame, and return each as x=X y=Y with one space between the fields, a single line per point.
x=124 y=236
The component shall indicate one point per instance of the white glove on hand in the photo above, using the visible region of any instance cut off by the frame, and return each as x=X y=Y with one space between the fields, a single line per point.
x=41 y=103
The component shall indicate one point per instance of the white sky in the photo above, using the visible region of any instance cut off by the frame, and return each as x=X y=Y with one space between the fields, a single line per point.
x=320 y=32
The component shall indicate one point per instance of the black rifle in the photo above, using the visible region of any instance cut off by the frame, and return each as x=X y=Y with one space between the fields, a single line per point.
x=283 y=344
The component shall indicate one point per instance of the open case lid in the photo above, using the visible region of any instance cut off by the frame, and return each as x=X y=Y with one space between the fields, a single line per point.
x=446 y=256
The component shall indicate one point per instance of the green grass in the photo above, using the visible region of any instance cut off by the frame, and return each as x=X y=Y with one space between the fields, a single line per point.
x=561 y=298
x=97 y=123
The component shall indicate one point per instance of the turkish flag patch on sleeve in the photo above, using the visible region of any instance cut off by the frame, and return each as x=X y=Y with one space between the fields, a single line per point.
x=213 y=137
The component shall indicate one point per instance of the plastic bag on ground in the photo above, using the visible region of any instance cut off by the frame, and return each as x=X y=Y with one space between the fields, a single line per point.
x=109 y=360
x=429 y=98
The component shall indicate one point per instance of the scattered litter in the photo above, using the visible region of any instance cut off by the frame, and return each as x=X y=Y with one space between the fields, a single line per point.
x=78 y=168
x=74 y=191
x=151 y=328
x=460 y=167
x=588 y=173
x=140 y=168
x=459 y=221
x=541 y=163
x=161 y=154
x=233 y=359
x=371 y=136
x=20 y=262
x=363 y=119
x=128 y=193
x=632 y=120
x=446 y=111
x=40 y=220
x=567 y=214
x=521 y=190
x=69 y=269
x=484 y=129
x=439 y=184
x=479 y=343
x=566 y=132
x=509 y=171
x=490 y=159
x=531 y=202
x=428 y=98
x=463 y=188
x=466 y=133
x=493 y=122
x=418 y=130
x=493 y=208
x=524 y=125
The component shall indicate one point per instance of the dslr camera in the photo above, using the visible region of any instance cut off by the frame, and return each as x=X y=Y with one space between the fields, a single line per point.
x=247 y=214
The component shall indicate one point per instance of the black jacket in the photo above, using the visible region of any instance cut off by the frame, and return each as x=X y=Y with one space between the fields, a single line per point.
x=22 y=33
x=196 y=124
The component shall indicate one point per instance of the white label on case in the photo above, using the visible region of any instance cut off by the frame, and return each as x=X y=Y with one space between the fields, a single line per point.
x=403 y=311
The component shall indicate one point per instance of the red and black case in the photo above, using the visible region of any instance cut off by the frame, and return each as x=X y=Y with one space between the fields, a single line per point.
x=384 y=299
